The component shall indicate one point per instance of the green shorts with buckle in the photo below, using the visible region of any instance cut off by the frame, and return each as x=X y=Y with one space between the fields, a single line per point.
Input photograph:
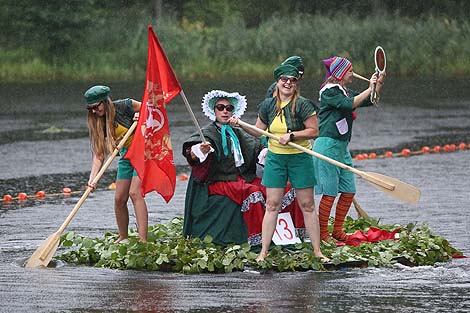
x=125 y=169
x=296 y=168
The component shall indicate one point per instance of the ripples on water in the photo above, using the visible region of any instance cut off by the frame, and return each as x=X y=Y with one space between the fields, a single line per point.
x=52 y=165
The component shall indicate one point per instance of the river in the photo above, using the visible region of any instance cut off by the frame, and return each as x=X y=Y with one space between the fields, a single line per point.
x=44 y=146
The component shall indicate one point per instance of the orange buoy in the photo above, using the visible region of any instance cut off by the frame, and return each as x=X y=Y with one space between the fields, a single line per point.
x=462 y=146
x=22 y=196
x=112 y=186
x=358 y=157
x=66 y=190
x=7 y=198
x=452 y=147
x=183 y=177
x=425 y=149
x=365 y=156
x=372 y=155
x=405 y=152
x=436 y=149
x=40 y=194
x=388 y=154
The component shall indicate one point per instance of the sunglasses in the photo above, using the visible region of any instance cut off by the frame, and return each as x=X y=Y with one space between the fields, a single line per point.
x=292 y=79
x=93 y=107
x=221 y=107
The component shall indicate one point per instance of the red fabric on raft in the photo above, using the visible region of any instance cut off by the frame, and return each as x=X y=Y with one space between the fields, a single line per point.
x=372 y=235
x=255 y=193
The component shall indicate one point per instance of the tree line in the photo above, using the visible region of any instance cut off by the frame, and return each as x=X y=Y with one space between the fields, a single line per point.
x=72 y=34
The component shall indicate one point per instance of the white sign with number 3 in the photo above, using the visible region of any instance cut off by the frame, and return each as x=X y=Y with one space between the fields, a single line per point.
x=285 y=230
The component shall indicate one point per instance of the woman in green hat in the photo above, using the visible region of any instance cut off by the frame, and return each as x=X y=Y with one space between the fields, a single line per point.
x=296 y=62
x=108 y=121
x=291 y=118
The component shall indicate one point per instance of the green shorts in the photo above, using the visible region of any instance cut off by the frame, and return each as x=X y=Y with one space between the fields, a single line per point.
x=332 y=179
x=125 y=169
x=297 y=168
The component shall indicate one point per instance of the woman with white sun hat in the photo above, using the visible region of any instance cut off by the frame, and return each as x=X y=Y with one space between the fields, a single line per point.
x=225 y=198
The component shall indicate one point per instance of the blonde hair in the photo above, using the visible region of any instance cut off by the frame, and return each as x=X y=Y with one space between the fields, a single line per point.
x=332 y=80
x=294 y=98
x=102 y=130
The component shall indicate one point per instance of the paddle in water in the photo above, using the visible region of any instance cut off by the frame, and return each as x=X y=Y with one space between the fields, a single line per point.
x=44 y=253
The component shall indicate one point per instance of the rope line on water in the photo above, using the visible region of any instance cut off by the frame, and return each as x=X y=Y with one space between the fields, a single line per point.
x=407 y=152
x=66 y=192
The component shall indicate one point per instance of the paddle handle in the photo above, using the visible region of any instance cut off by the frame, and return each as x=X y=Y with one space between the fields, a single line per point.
x=77 y=206
x=322 y=157
x=374 y=97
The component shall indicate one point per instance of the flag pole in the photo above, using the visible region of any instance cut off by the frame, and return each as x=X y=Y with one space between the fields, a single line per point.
x=192 y=115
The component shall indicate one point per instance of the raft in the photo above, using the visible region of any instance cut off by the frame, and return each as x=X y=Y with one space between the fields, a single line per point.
x=167 y=250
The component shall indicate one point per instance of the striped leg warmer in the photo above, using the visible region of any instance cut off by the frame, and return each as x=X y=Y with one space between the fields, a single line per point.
x=342 y=208
x=324 y=210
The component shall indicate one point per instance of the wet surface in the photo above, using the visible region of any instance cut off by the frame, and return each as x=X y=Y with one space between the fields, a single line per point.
x=45 y=164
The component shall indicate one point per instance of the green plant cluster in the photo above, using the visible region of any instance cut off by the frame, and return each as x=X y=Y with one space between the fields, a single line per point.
x=167 y=250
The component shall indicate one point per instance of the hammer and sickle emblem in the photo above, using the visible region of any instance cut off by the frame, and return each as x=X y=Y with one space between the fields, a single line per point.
x=155 y=119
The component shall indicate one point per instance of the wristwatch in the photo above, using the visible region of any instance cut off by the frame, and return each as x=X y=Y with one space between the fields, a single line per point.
x=292 y=136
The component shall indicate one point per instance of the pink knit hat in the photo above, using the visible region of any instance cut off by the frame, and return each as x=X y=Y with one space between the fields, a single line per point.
x=336 y=67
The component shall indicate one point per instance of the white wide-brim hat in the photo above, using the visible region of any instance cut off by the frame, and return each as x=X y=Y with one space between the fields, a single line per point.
x=210 y=98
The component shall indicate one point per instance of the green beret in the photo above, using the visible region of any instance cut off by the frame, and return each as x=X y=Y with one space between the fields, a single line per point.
x=295 y=61
x=96 y=94
x=286 y=69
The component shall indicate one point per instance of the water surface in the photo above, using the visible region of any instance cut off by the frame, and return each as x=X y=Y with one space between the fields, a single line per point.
x=35 y=157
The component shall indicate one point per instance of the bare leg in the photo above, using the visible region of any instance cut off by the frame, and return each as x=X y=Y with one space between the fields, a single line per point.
x=273 y=203
x=140 y=208
x=307 y=205
x=120 y=207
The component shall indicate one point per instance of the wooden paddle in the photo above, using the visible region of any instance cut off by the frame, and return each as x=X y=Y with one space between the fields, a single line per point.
x=44 y=253
x=359 y=210
x=392 y=186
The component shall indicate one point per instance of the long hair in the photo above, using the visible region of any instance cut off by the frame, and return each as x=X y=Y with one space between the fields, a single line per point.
x=294 y=98
x=102 y=130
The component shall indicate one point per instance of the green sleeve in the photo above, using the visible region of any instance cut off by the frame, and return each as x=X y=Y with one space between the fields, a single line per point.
x=365 y=103
x=306 y=108
x=335 y=98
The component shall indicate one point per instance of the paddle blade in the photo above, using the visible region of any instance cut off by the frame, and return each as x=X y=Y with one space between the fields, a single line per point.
x=380 y=59
x=44 y=253
x=359 y=210
x=401 y=191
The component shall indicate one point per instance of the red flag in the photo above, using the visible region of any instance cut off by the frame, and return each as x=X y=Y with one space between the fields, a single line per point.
x=151 y=153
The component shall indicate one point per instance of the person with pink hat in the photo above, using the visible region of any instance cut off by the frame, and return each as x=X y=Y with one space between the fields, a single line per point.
x=335 y=120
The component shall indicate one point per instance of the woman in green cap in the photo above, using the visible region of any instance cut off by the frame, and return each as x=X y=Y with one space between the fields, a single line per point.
x=291 y=118
x=108 y=121
x=296 y=62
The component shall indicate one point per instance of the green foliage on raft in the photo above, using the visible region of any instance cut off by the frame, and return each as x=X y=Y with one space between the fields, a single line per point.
x=168 y=251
